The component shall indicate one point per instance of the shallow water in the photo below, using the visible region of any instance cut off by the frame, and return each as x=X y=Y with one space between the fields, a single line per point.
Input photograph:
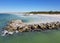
x=29 y=37
x=33 y=37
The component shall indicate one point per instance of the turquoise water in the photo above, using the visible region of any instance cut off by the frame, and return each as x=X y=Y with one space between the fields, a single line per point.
x=29 y=37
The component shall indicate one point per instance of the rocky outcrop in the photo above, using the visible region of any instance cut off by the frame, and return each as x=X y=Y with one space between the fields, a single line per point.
x=12 y=26
x=19 y=26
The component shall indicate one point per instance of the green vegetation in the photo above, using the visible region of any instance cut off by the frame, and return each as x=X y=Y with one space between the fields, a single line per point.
x=44 y=12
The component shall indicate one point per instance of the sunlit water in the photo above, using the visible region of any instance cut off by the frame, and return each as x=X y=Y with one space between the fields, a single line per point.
x=29 y=37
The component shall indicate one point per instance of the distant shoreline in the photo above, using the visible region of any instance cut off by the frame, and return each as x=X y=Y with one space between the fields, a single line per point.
x=35 y=12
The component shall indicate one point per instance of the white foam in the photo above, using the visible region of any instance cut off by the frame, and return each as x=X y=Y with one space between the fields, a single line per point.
x=4 y=32
x=10 y=33
x=16 y=31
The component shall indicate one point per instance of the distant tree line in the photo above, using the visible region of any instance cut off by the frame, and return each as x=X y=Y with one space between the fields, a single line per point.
x=44 y=12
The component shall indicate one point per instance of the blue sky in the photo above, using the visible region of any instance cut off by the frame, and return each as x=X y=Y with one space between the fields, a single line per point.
x=29 y=5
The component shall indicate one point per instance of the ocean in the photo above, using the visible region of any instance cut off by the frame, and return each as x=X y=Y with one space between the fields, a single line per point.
x=52 y=36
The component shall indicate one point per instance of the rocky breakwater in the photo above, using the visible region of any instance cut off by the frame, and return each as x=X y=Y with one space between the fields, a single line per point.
x=12 y=27
x=16 y=26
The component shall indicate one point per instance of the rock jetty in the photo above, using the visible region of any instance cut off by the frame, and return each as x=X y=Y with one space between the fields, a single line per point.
x=19 y=26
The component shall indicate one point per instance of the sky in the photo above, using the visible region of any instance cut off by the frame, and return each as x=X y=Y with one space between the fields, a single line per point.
x=29 y=5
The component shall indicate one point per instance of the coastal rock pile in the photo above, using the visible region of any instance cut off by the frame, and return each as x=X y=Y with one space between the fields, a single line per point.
x=14 y=24
x=12 y=27
x=19 y=26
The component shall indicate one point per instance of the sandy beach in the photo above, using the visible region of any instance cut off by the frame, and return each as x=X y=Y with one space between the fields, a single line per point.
x=51 y=15
x=45 y=15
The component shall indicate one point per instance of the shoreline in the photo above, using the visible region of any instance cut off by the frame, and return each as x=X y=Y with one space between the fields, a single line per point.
x=48 y=15
x=51 y=15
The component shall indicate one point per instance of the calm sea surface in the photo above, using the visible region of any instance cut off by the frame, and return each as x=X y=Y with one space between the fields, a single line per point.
x=29 y=37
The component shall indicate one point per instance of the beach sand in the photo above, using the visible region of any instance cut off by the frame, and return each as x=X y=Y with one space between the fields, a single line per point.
x=46 y=15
